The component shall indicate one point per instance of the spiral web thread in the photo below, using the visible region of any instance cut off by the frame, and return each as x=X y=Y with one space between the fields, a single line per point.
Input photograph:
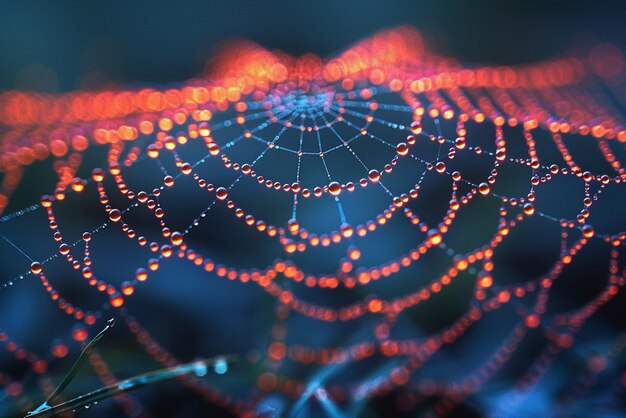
x=387 y=97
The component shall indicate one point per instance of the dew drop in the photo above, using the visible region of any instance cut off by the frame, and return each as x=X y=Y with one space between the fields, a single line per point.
x=115 y=215
x=434 y=237
x=484 y=189
x=374 y=176
x=220 y=366
x=334 y=188
x=97 y=175
x=402 y=149
x=35 y=267
x=141 y=275
x=529 y=209
x=221 y=193
x=588 y=231
x=176 y=238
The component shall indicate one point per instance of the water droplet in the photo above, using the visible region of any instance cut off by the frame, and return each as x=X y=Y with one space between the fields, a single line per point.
x=115 y=215
x=221 y=193
x=402 y=149
x=334 y=188
x=484 y=189
x=220 y=366
x=35 y=267
x=374 y=176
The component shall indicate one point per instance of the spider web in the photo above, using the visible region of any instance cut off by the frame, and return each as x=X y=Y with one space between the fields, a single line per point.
x=332 y=192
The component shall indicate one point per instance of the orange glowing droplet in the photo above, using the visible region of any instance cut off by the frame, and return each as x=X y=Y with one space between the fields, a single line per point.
x=346 y=230
x=60 y=350
x=153 y=151
x=294 y=226
x=434 y=237
x=127 y=288
x=354 y=253
x=486 y=281
x=115 y=215
x=36 y=267
x=334 y=188
x=416 y=128
x=529 y=209
x=221 y=193
x=276 y=350
x=484 y=189
x=116 y=300
x=402 y=149
x=79 y=333
x=46 y=201
x=374 y=176
x=78 y=185
x=97 y=175
x=141 y=275
x=588 y=231
x=374 y=305
x=532 y=321
x=176 y=238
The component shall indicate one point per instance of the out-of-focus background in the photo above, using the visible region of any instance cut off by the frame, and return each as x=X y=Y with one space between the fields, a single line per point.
x=65 y=45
